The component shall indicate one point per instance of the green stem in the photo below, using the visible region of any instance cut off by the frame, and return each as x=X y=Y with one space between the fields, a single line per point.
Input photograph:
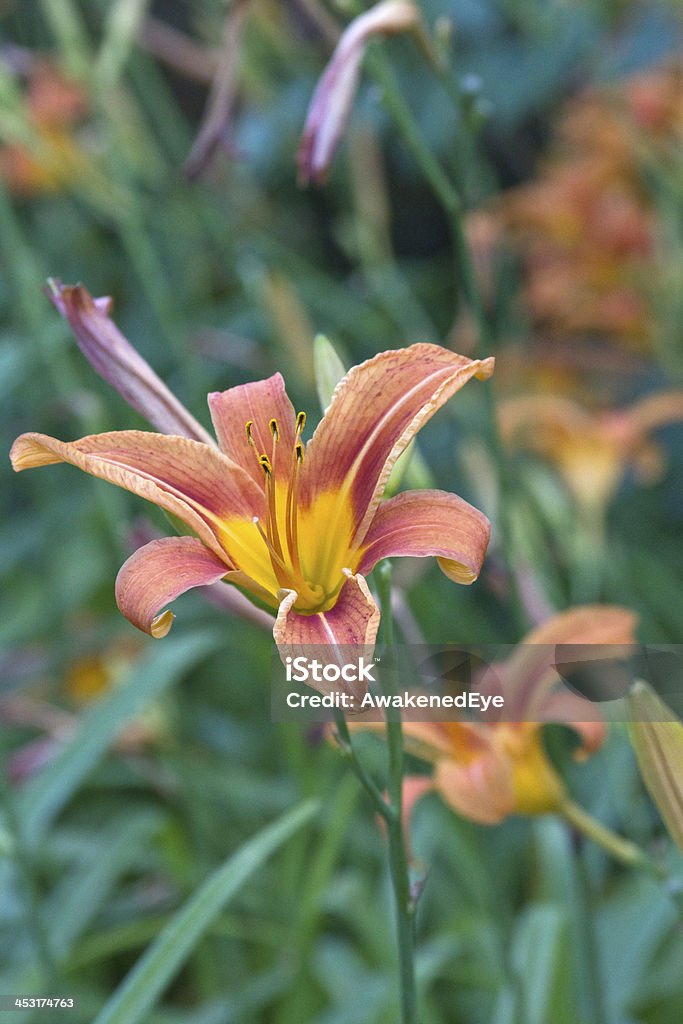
x=621 y=849
x=449 y=197
x=440 y=184
x=345 y=745
x=398 y=856
x=595 y=989
x=588 y=555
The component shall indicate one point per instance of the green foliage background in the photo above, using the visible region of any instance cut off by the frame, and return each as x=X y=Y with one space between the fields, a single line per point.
x=106 y=848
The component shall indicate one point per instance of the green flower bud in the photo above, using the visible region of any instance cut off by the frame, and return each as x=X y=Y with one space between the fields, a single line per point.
x=329 y=369
x=657 y=737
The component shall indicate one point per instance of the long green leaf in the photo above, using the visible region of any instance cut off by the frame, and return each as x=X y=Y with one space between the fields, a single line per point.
x=160 y=669
x=88 y=887
x=141 y=988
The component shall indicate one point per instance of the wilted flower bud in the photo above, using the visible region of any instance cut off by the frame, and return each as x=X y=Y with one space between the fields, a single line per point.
x=657 y=737
x=113 y=357
x=329 y=110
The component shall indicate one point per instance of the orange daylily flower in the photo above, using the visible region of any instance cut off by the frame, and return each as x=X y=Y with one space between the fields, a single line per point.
x=489 y=770
x=54 y=106
x=297 y=526
x=587 y=228
x=591 y=450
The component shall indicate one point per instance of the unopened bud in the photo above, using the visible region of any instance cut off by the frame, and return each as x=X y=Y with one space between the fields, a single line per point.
x=328 y=368
x=657 y=737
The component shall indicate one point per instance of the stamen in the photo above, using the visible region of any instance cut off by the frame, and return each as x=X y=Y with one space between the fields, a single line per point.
x=274 y=557
x=276 y=437
x=283 y=551
x=291 y=518
x=271 y=522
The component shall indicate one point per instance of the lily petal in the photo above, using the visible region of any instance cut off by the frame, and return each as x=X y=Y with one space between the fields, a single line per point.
x=430 y=741
x=375 y=411
x=655 y=411
x=481 y=790
x=540 y=421
x=117 y=362
x=414 y=788
x=198 y=484
x=353 y=622
x=158 y=573
x=421 y=523
x=567 y=708
x=529 y=672
x=257 y=403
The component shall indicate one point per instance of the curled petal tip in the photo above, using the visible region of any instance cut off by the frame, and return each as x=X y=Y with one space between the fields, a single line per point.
x=487 y=366
x=458 y=573
x=157 y=574
x=161 y=625
x=27 y=452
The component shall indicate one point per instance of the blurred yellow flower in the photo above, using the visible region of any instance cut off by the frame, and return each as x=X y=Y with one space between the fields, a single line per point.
x=591 y=450
x=91 y=675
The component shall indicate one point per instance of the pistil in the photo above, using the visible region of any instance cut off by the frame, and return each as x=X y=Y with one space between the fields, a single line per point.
x=283 y=550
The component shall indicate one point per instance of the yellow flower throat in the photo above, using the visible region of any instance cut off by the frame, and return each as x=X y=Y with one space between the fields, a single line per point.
x=295 y=547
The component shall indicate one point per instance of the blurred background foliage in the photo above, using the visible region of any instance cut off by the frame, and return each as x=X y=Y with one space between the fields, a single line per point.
x=135 y=768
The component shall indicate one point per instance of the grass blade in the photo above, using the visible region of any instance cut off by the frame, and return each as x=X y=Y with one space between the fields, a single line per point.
x=45 y=796
x=141 y=988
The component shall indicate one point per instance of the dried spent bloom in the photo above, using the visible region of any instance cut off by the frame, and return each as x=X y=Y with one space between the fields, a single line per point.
x=489 y=770
x=117 y=362
x=330 y=107
x=591 y=450
x=296 y=526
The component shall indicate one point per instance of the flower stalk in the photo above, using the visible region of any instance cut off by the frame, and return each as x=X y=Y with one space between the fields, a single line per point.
x=390 y=809
x=346 y=747
x=398 y=856
x=623 y=850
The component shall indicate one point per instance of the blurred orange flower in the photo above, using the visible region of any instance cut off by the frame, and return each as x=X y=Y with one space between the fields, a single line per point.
x=587 y=227
x=591 y=450
x=53 y=107
x=489 y=770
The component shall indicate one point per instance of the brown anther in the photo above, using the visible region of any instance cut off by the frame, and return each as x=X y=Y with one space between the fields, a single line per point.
x=299 y=451
x=300 y=423
x=274 y=429
x=264 y=463
x=249 y=425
